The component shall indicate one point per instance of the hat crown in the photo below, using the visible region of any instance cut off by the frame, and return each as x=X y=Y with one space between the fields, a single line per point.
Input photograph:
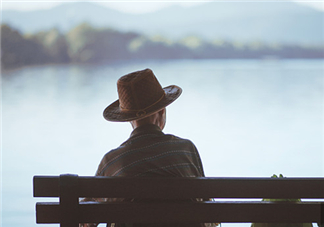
x=139 y=90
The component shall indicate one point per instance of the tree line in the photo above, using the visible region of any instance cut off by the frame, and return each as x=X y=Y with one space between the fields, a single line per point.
x=88 y=44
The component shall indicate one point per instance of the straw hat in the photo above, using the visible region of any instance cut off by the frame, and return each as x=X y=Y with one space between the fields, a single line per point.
x=140 y=95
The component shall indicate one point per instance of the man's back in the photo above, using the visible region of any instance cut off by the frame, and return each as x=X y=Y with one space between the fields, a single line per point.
x=149 y=152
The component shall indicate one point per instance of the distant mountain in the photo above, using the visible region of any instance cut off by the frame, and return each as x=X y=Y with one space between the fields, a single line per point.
x=282 y=22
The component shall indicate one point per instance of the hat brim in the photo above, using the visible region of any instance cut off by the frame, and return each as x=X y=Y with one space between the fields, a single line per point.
x=114 y=113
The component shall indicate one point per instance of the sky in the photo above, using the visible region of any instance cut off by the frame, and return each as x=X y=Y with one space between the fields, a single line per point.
x=133 y=6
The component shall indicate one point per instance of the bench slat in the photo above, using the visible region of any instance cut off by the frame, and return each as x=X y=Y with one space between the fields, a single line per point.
x=241 y=212
x=172 y=188
x=46 y=186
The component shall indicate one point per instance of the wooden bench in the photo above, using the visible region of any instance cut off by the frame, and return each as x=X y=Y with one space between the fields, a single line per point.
x=69 y=211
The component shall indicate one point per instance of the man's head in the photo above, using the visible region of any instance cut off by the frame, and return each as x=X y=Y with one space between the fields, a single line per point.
x=158 y=118
x=141 y=98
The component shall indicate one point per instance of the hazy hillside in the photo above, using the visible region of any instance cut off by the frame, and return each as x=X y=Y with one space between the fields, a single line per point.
x=87 y=44
x=284 y=22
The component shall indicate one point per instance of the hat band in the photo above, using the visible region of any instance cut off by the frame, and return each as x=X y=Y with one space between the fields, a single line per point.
x=124 y=109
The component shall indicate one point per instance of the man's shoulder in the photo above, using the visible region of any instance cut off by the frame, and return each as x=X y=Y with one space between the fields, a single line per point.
x=177 y=138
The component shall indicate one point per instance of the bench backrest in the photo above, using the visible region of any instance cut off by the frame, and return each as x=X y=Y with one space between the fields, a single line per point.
x=69 y=211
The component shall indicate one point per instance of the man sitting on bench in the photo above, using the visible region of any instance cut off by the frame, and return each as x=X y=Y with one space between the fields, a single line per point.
x=148 y=152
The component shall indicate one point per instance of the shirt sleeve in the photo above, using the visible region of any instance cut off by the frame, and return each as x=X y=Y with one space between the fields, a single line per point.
x=198 y=160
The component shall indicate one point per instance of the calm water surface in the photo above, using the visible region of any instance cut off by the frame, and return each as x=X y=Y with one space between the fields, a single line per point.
x=247 y=118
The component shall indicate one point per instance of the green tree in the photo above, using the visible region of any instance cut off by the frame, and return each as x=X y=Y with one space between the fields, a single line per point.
x=91 y=45
x=17 y=50
x=55 y=45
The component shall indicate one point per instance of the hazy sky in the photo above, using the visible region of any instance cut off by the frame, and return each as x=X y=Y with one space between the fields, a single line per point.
x=131 y=6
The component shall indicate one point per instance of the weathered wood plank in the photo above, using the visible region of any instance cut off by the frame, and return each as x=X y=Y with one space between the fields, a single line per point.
x=240 y=212
x=187 y=187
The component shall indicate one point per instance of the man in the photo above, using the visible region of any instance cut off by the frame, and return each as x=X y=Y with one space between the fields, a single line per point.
x=148 y=151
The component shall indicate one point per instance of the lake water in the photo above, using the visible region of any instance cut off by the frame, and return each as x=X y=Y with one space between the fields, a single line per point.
x=248 y=118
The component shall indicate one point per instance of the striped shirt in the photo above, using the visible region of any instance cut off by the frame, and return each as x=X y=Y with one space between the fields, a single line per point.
x=150 y=152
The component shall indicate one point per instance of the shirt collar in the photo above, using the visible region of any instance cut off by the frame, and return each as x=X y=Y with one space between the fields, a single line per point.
x=146 y=129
